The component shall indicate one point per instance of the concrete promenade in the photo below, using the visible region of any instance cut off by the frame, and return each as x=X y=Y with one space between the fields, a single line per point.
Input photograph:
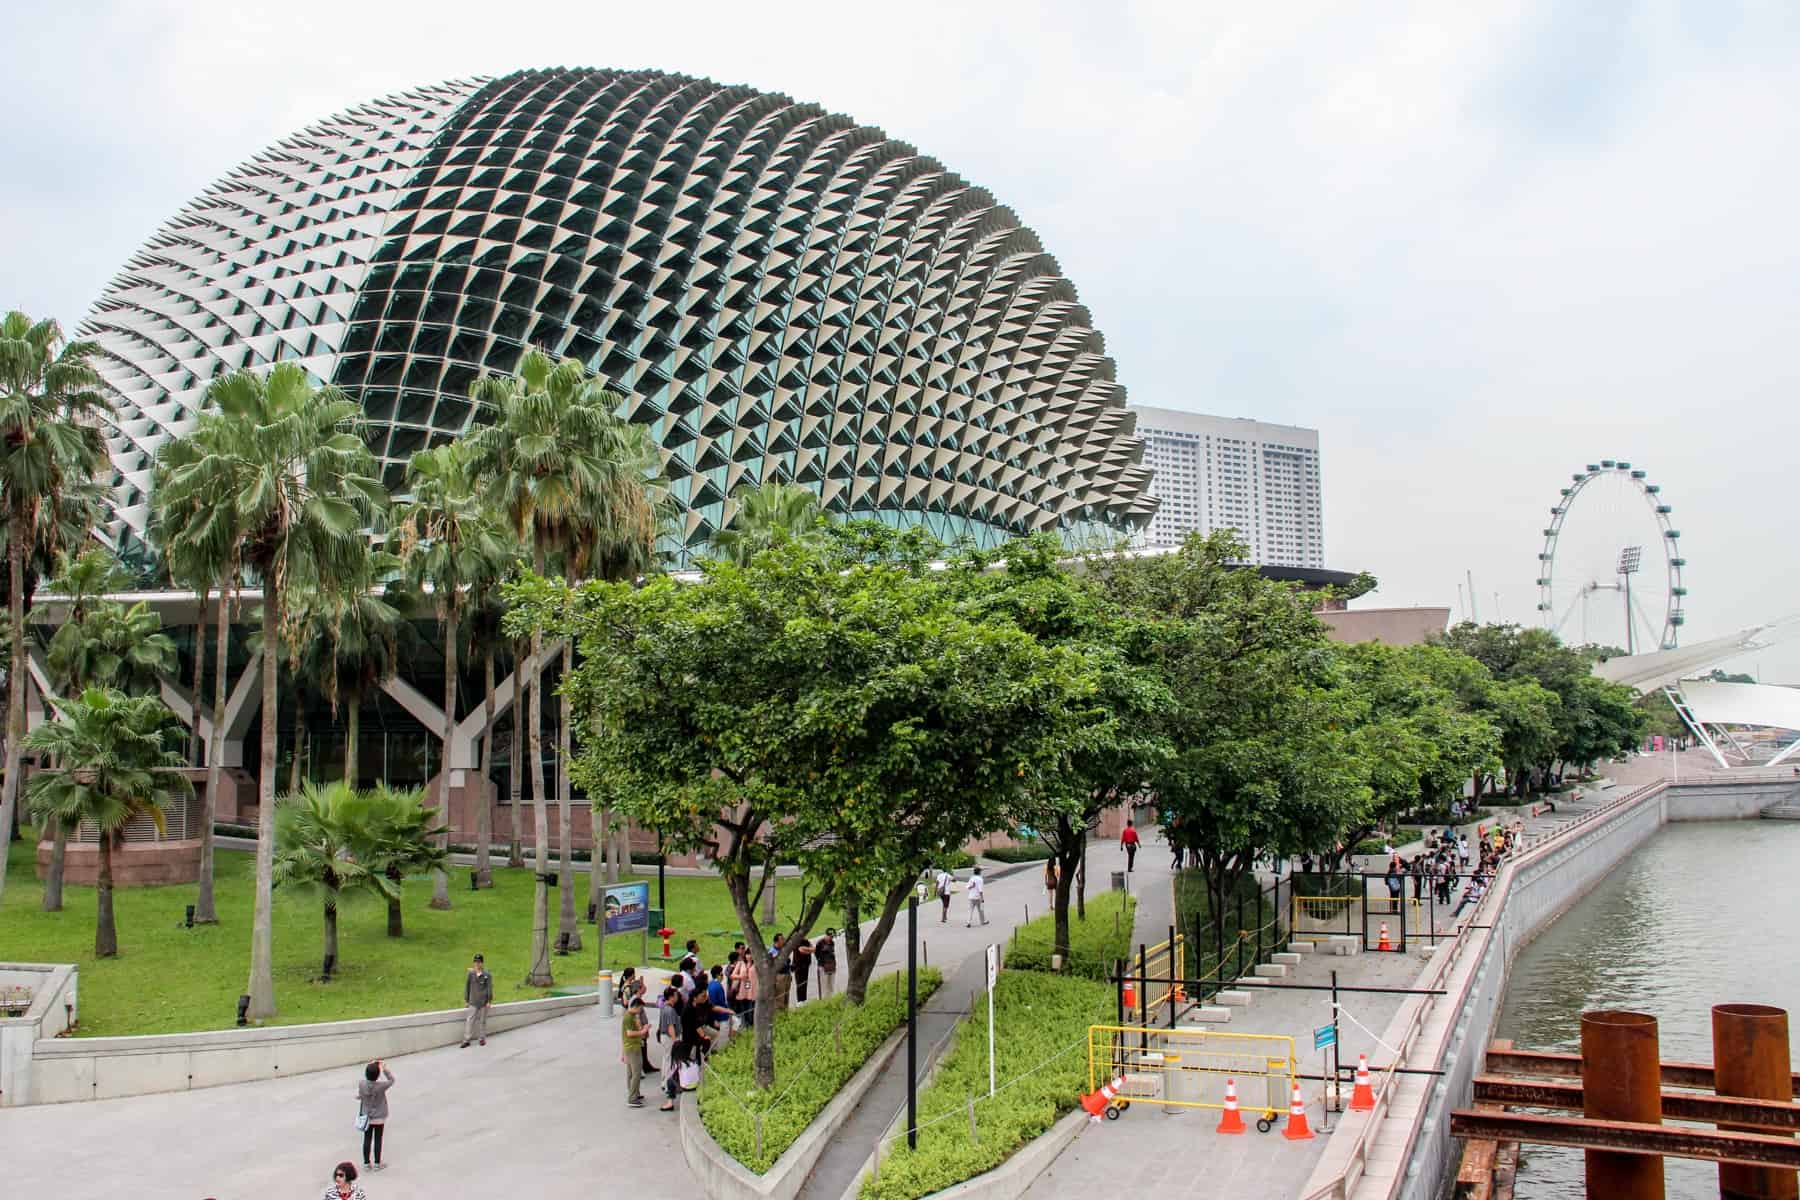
x=540 y=1109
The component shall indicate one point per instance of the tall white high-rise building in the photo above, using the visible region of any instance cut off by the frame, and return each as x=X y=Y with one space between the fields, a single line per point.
x=1234 y=473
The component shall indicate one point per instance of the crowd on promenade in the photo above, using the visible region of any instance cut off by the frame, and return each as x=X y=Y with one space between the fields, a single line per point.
x=1448 y=858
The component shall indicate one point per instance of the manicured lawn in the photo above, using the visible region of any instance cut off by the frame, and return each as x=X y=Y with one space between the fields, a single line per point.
x=811 y=1065
x=168 y=979
x=1041 y=1068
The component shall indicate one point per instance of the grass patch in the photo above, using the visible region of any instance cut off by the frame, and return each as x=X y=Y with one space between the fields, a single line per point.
x=1028 y=852
x=809 y=1068
x=1094 y=944
x=172 y=980
x=1040 y=1034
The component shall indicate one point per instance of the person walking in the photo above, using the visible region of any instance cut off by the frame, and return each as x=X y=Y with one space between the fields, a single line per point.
x=1050 y=881
x=944 y=879
x=825 y=954
x=478 y=993
x=343 y=1184
x=803 y=960
x=1128 y=838
x=371 y=1102
x=634 y=1033
x=977 y=906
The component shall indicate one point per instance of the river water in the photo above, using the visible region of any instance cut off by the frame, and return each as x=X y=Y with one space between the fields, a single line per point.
x=1701 y=914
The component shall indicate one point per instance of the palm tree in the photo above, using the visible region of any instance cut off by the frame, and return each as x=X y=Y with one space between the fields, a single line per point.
x=317 y=830
x=115 y=758
x=484 y=631
x=349 y=643
x=398 y=837
x=50 y=446
x=277 y=474
x=450 y=543
x=105 y=645
x=551 y=458
x=204 y=567
x=766 y=516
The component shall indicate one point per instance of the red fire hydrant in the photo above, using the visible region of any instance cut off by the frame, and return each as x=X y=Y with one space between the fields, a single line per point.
x=665 y=933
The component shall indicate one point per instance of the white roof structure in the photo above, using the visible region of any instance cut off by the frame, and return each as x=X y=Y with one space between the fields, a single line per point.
x=1660 y=668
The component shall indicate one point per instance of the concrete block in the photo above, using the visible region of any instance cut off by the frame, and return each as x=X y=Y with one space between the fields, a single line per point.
x=1234 y=999
x=1271 y=970
x=1346 y=943
x=1303 y=947
x=1212 y=1013
x=1287 y=958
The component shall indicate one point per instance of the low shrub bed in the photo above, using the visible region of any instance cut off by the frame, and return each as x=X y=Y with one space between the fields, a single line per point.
x=1094 y=944
x=1040 y=1053
x=809 y=1068
x=1028 y=852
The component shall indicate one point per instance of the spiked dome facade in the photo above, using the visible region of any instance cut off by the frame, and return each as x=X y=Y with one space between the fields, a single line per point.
x=775 y=290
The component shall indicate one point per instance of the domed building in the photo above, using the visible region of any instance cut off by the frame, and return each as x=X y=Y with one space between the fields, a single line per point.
x=778 y=292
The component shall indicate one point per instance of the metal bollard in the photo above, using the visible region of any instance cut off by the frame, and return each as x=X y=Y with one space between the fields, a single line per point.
x=604 y=982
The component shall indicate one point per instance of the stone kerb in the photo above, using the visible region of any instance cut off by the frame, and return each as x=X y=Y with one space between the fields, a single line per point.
x=1012 y=1178
x=110 y=1067
x=53 y=1004
x=723 y=1177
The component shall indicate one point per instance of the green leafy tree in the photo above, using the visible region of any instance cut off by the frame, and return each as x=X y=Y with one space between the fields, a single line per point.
x=114 y=757
x=846 y=717
x=397 y=836
x=317 y=831
x=276 y=473
x=567 y=476
x=453 y=546
x=50 y=450
x=1260 y=761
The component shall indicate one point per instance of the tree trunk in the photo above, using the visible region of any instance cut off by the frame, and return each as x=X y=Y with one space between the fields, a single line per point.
x=602 y=839
x=331 y=945
x=617 y=855
x=15 y=684
x=262 y=964
x=53 y=878
x=396 y=918
x=860 y=957
x=515 y=853
x=539 y=973
x=204 y=913
x=768 y=893
x=106 y=934
x=737 y=883
x=484 y=813
x=567 y=926
x=1081 y=880
x=352 y=735
x=440 y=879
x=1068 y=861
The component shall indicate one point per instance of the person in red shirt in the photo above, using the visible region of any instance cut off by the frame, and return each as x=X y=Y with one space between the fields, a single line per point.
x=1129 y=839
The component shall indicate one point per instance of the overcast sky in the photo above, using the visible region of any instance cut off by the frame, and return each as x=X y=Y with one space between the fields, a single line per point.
x=1476 y=246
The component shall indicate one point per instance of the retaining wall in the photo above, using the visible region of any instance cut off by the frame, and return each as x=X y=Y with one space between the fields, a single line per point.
x=65 y=1069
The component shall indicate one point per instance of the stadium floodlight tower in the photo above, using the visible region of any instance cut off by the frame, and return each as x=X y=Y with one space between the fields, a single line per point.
x=1629 y=558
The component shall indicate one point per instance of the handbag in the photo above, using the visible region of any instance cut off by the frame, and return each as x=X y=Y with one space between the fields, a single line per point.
x=362 y=1118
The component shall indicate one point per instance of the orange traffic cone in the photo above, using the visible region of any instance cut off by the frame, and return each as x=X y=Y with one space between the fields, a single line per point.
x=1362 y=1098
x=1232 y=1121
x=1130 y=996
x=1386 y=942
x=1095 y=1102
x=1297 y=1129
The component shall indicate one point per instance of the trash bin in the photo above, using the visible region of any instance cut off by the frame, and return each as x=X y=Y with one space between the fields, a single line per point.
x=1118 y=881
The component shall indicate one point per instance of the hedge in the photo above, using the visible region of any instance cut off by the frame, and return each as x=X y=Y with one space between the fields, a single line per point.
x=1094 y=944
x=809 y=1068
x=1027 y=852
x=1040 y=1036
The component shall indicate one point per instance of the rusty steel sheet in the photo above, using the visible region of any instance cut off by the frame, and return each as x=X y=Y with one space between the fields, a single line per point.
x=1568 y=1066
x=1681 y=1106
x=1629 y=1137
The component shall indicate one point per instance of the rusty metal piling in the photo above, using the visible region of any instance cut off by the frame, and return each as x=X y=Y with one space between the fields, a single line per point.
x=1750 y=1060
x=1621 y=1080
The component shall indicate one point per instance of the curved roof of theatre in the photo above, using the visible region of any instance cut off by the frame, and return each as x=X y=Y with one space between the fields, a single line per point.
x=779 y=292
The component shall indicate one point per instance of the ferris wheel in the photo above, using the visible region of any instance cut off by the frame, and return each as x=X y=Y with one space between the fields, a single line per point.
x=1610 y=570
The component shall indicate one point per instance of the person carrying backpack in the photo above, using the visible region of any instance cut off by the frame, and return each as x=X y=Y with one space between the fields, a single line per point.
x=944 y=879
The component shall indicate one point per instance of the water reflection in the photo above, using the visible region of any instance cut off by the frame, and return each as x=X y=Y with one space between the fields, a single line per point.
x=1702 y=914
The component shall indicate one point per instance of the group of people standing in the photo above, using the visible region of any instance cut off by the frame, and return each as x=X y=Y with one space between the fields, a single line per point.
x=1448 y=857
x=699 y=1007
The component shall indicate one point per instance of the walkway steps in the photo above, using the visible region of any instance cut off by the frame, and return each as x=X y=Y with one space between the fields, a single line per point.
x=1787 y=810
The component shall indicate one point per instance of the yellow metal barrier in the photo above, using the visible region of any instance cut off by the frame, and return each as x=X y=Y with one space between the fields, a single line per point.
x=1324 y=913
x=1162 y=962
x=1188 y=1068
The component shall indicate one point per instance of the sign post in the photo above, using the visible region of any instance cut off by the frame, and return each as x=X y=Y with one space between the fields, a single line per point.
x=993 y=973
x=1324 y=1038
x=623 y=908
